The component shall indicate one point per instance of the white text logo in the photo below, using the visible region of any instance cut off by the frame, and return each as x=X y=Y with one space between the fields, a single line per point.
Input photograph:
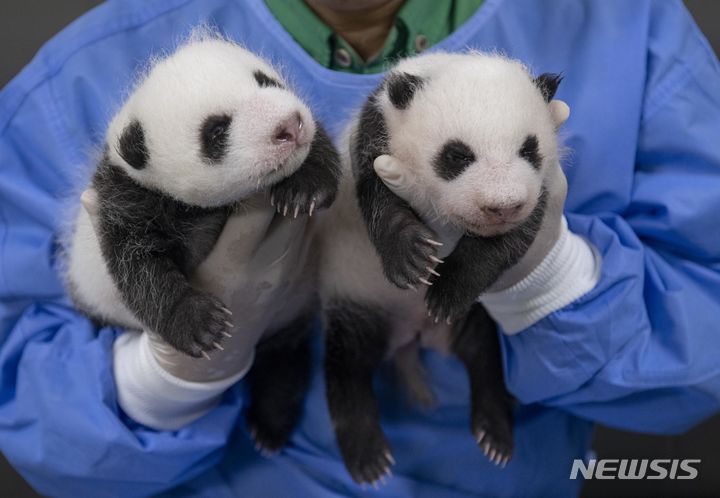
x=658 y=468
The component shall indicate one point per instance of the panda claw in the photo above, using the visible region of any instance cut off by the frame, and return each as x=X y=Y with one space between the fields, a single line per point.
x=226 y=310
x=285 y=209
x=312 y=207
x=229 y=324
x=297 y=210
x=435 y=259
x=227 y=335
x=218 y=346
x=425 y=281
x=207 y=356
x=433 y=272
x=433 y=242
x=272 y=197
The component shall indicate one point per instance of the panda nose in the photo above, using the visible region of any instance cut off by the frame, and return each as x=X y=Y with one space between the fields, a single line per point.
x=288 y=131
x=502 y=214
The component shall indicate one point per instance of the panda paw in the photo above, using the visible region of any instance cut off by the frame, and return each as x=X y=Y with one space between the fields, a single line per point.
x=409 y=254
x=492 y=430
x=198 y=325
x=297 y=195
x=447 y=299
x=366 y=454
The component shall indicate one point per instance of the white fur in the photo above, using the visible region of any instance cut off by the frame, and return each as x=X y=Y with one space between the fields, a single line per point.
x=203 y=78
x=90 y=281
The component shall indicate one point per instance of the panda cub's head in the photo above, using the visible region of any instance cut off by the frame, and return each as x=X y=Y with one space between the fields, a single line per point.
x=209 y=125
x=477 y=134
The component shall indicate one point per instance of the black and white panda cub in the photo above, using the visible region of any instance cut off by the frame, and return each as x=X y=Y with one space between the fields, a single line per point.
x=208 y=127
x=476 y=134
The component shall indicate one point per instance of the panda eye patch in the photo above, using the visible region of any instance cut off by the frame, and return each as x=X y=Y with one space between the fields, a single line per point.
x=214 y=136
x=530 y=151
x=453 y=159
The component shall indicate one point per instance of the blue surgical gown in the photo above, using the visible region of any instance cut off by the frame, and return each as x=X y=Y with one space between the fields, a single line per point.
x=639 y=352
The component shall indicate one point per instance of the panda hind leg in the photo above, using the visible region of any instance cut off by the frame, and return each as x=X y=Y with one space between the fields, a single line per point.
x=278 y=382
x=355 y=345
x=476 y=343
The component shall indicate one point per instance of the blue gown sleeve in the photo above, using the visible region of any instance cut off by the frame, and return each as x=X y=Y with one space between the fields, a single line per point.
x=640 y=350
x=60 y=425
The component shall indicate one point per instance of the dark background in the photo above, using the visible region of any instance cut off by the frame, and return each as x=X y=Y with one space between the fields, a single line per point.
x=26 y=25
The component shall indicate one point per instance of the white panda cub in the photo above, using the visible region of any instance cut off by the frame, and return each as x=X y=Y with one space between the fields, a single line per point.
x=209 y=126
x=477 y=135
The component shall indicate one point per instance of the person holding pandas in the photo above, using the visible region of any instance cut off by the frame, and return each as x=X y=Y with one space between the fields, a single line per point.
x=610 y=316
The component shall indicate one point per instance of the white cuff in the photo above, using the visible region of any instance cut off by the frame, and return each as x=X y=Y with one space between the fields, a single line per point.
x=571 y=269
x=152 y=396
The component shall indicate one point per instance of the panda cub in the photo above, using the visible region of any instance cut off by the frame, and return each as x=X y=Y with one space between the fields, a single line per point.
x=208 y=127
x=476 y=134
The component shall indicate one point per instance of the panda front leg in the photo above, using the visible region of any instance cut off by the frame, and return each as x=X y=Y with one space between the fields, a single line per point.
x=405 y=245
x=314 y=185
x=475 y=264
x=192 y=321
x=476 y=343
x=355 y=344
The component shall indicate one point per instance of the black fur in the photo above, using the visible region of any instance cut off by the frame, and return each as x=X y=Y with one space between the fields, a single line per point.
x=395 y=230
x=476 y=343
x=476 y=263
x=214 y=134
x=453 y=159
x=548 y=84
x=530 y=151
x=131 y=146
x=316 y=180
x=265 y=81
x=278 y=383
x=151 y=243
x=402 y=87
x=355 y=344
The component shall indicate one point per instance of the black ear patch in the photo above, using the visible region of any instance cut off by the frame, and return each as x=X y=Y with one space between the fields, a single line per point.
x=453 y=159
x=402 y=87
x=548 y=84
x=214 y=136
x=265 y=81
x=132 y=147
x=530 y=151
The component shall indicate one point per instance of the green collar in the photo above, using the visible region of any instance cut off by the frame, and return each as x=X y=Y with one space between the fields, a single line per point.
x=419 y=24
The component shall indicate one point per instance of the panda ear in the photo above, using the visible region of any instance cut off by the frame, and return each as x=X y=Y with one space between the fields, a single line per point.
x=548 y=84
x=402 y=87
x=131 y=145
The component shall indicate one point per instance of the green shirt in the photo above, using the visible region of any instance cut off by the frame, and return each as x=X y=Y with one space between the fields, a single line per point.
x=418 y=25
